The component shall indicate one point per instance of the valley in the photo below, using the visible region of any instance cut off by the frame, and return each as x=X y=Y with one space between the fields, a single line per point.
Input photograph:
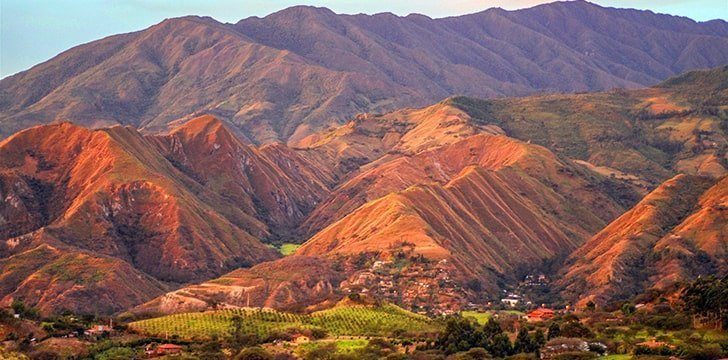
x=326 y=186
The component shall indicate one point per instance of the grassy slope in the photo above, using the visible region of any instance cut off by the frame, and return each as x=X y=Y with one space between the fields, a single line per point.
x=650 y=132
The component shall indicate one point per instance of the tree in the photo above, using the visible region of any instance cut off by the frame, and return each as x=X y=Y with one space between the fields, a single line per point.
x=523 y=343
x=25 y=311
x=211 y=349
x=539 y=339
x=238 y=337
x=116 y=353
x=491 y=329
x=323 y=352
x=708 y=298
x=554 y=331
x=500 y=346
x=459 y=335
x=575 y=329
x=475 y=285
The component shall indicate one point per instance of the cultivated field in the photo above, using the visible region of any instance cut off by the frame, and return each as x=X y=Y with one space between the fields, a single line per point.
x=386 y=320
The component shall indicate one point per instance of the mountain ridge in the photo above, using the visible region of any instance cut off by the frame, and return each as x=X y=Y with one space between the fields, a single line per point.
x=182 y=67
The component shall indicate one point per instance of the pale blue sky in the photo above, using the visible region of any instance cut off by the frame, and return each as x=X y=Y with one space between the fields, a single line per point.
x=33 y=31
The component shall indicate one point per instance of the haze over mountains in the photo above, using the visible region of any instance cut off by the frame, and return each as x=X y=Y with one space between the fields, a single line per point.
x=298 y=71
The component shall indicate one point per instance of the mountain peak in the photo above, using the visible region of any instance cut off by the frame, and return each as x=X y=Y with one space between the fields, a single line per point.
x=302 y=12
x=202 y=124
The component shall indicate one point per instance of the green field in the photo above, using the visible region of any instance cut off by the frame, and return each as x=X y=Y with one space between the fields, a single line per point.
x=342 y=346
x=616 y=357
x=480 y=317
x=288 y=248
x=386 y=320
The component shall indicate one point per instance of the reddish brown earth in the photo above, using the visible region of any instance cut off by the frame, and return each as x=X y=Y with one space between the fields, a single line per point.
x=674 y=234
x=447 y=183
x=462 y=191
x=274 y=184
x=146 y=205
x=291 y=283
x=492 y=202
x=487 y=200
x=302 y=69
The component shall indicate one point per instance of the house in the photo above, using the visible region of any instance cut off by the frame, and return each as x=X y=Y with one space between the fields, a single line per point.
x=97 y=330
x=540 y=314
x=511 y=299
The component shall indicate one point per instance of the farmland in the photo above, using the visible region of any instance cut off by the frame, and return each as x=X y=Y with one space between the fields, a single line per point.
x=385 y=320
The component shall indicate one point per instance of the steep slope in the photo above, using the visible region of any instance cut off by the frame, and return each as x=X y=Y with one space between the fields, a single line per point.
x=674 y=234
x=111 y=195
x=487 y=200
x=55 y=277
x=442 y=164
x=473 y=211
x=297 y=71
x=273 y=184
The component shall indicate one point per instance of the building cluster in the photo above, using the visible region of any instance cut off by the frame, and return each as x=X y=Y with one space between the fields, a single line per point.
x=423 y=286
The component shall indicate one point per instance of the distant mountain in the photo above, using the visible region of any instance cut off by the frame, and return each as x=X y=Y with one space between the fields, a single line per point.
x=300 y=70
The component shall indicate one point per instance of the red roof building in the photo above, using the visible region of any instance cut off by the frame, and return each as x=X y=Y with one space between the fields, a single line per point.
x=540 y=314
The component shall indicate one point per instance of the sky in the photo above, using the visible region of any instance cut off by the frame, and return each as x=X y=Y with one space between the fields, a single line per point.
x=33 y=31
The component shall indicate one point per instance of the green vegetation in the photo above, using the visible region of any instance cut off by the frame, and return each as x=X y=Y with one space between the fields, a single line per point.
x=463 y=334
x=349 y=349
x=386 y=320
x=478 y=316
x=346 y=346
x=288 y=248
x=708 y=299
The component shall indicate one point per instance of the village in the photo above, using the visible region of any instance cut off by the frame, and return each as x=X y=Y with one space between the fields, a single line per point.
x=416 y=283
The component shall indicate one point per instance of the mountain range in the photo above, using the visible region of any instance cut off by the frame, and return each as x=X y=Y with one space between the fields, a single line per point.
x=430 y=207
x=302 y=70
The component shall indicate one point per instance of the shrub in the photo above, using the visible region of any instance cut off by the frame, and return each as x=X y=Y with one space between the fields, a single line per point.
x=575 y=355
x=701 y=352
x=254 y=353
x=116 y=353
x=473 y=354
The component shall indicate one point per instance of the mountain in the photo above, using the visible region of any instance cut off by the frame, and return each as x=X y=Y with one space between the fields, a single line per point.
x=675 y=234
x=645 y=135
x=300 y=70
x=428 y=207
x=438 y=206
x=497 y=209
x=80 y=202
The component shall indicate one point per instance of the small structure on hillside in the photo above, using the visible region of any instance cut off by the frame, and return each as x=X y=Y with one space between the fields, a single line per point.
x=154 y=350
x=98 y=330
